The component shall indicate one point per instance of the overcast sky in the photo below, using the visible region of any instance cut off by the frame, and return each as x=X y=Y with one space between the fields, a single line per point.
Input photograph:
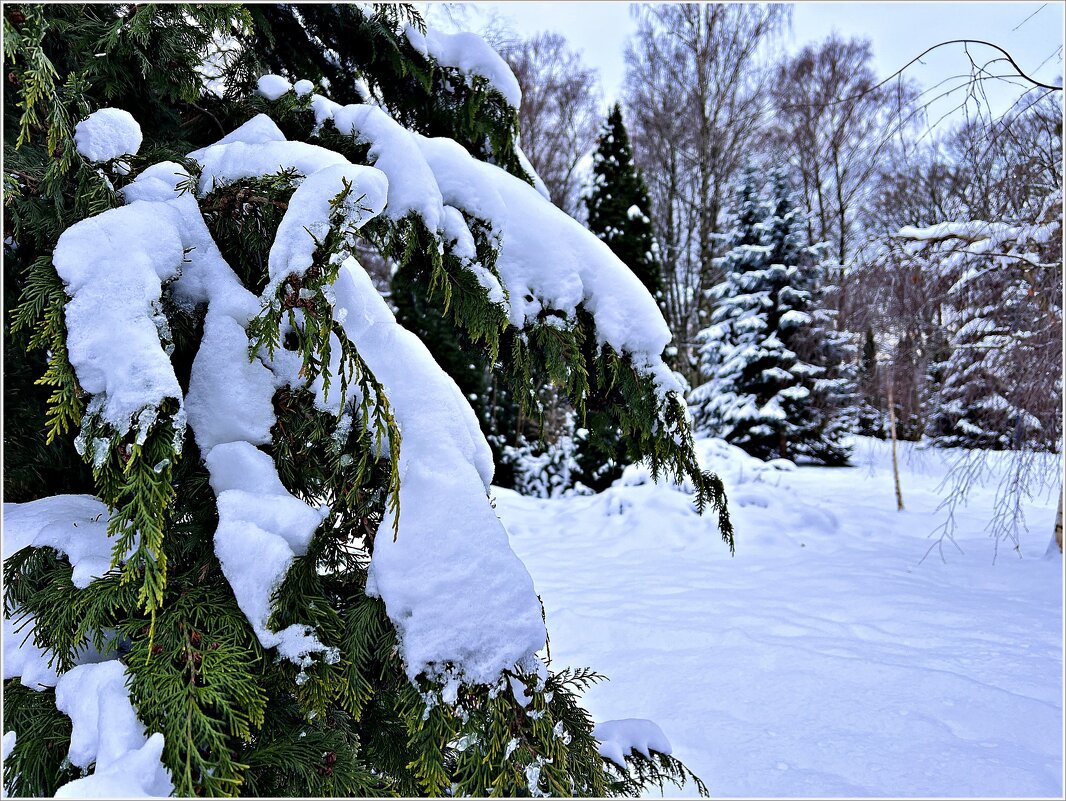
x=1031 y=32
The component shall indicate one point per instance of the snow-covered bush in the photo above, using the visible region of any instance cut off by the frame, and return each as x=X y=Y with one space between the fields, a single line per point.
x=256 y=553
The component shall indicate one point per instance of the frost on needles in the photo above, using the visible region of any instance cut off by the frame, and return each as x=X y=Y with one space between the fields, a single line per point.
x=291 y=549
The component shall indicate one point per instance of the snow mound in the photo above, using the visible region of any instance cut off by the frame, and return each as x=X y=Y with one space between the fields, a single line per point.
x=273 y=87
x=260 y=129
x=107 y=134
x=113 y=266
x=451 y=583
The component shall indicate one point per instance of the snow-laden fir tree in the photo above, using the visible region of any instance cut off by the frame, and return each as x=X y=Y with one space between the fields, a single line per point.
x=249 y=547
x=775 y=381
x=870 y=420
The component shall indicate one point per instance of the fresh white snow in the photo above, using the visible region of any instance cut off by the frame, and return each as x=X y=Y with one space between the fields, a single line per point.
x=825 y=658
x=107 y=134
x=75 y=525
x=620 y=738
x=471 y=55
x=113 y=267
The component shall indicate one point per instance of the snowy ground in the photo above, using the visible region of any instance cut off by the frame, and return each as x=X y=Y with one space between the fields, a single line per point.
x=823 y=659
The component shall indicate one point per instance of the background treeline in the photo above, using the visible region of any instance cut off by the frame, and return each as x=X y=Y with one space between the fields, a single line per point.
x=959 y=324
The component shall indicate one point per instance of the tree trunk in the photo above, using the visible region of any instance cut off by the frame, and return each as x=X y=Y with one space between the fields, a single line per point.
x=892 y=429
x=1058 y=524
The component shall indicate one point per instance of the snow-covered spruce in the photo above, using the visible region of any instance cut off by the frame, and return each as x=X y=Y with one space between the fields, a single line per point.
x=772 y=368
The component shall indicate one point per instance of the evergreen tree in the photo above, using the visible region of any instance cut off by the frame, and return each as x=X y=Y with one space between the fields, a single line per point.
x=282 y=574
x=618 y=205
x=996 y=379
x=774 y=369
x=870 y=419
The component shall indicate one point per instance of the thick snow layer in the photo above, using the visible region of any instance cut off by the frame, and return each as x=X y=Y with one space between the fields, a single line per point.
x=471 y=55
x=549 y=261
x=138 y=773
x=261 y=526
x=23 y=659
x=620 y=738
x=451 y=584
x=225 y=163
x=9 y=743
x=825 y=659
x=106 y=731
x=113 y=266
x=412 y=187
x=107 y=134
x=481 y=615
x=75 y=525
x=258 y=130
x=224 y=381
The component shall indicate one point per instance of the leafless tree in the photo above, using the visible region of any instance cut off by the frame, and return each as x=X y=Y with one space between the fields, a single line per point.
x=560 y=113
x=995 y=266
x=835 y=122
x=695 y=96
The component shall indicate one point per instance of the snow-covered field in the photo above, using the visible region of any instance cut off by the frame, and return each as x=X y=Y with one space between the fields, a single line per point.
x=825 y=658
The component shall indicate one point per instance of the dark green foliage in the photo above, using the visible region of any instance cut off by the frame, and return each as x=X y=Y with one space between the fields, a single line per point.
x=870 y=419
x=291 y=39
x=237 y=719
x=41 y=770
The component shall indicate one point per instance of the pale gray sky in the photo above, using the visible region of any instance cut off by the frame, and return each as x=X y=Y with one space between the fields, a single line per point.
x=899 y=31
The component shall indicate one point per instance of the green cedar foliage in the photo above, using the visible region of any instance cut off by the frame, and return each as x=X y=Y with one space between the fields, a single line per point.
x=236 y=720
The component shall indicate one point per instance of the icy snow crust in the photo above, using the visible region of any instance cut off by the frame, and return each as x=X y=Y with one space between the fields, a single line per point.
x=107 y=134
